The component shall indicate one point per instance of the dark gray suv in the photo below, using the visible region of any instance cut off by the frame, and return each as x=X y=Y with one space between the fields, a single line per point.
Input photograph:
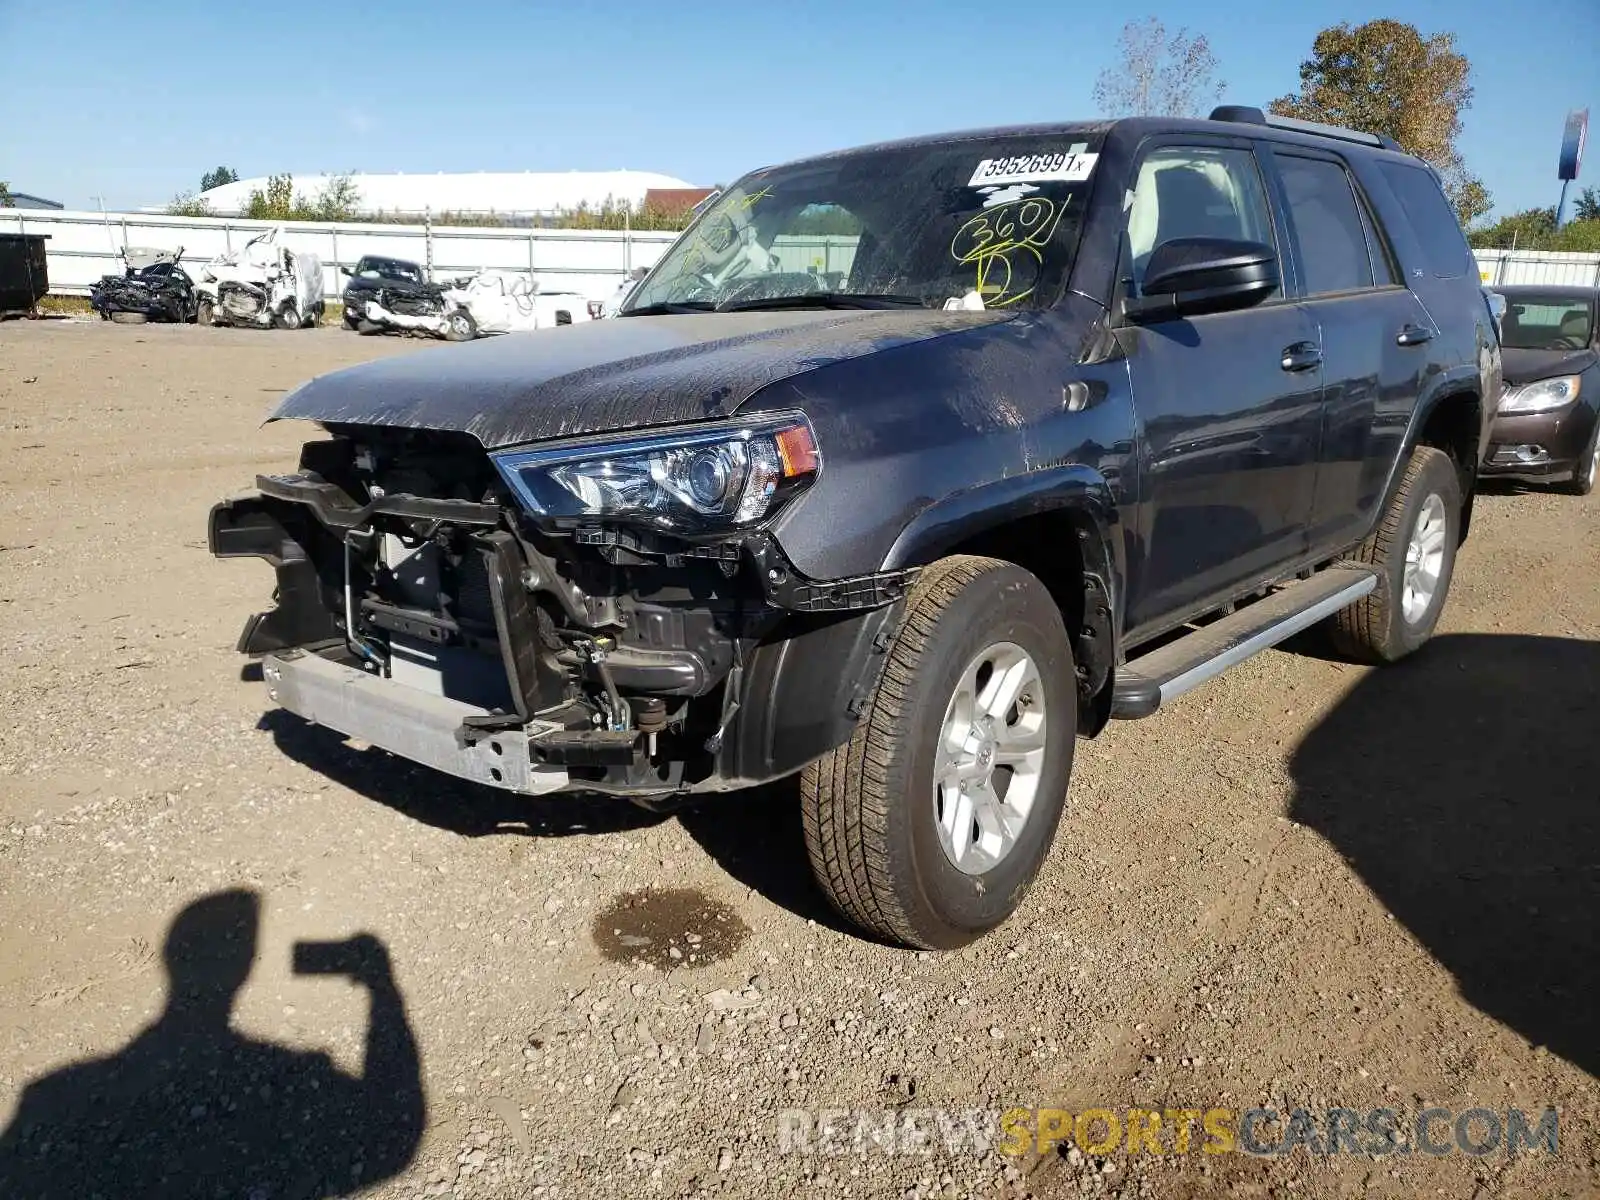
x=905 y=467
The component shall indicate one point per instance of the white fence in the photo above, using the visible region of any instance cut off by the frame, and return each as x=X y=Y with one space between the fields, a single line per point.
x=1538 y=266
x=84 y=246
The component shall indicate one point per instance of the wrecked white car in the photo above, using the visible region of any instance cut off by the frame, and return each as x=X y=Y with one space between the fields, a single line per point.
x=486 y=303
x=263 y=283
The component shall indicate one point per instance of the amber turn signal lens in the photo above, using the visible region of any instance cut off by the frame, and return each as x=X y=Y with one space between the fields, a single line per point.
x=798 y=451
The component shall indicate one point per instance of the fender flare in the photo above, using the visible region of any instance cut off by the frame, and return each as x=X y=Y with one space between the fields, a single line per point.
x=1083 y=495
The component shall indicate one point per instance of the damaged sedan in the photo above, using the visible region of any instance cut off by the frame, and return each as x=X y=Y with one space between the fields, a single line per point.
x=151 y=287
x=489 y=302
x=262 y=284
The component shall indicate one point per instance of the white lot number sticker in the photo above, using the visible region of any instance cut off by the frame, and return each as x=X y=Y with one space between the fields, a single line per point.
x=1071 y=165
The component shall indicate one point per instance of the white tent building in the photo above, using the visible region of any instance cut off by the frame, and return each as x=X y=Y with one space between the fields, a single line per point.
x=508 y=194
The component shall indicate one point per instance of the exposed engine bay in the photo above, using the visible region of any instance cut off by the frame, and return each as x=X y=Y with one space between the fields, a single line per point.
x=263 y=283
x=419 y=604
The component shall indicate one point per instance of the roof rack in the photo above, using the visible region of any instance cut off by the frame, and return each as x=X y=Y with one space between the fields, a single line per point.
x=1247 y=115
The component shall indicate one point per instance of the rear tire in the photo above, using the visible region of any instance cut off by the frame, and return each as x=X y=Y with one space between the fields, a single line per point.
x=887 y=823
x=1414 y=551
x=460 y=327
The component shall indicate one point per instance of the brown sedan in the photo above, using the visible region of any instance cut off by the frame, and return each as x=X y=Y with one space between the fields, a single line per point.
x=1548 y=428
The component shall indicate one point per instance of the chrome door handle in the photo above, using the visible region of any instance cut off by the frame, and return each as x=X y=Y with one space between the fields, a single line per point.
x=1413 y=335
x=1301 y=356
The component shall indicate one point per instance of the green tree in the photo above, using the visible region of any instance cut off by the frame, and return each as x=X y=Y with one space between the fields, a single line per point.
x=5 y=195
x=187 y=204
x=1384 y=77
x=1587 y=206
x=337 y=201
x=1529 y=229
x=215 y=179
x=1158 y=74
x=276 y=203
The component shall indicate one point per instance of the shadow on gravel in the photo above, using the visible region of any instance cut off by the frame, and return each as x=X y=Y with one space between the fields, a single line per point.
x=755 y=836
x=1462 y=786
x=192 y=1108
x=469 y=809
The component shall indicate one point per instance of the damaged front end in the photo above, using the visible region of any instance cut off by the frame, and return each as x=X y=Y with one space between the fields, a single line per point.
x=607 y=615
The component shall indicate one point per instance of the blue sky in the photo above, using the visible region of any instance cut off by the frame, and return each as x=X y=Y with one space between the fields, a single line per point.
x=132 y=101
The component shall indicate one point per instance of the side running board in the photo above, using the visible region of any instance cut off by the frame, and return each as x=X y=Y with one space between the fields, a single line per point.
x=1147 y=682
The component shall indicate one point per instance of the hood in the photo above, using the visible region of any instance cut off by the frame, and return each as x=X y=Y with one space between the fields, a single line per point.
x=597 y=376
x=1525 y=366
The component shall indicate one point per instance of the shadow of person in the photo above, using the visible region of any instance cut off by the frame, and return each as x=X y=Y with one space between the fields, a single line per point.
x=1464 y=787
x=192 y=1108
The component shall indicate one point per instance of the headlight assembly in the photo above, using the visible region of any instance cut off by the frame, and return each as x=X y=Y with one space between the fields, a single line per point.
x=696 y=479
x=1541 y=395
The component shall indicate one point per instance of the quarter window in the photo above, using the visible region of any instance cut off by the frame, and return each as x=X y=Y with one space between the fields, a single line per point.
x=1194 y=191
x=1431 y=216
x=1327 y=225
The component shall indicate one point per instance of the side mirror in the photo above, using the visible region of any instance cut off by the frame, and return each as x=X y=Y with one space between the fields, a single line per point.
x=1189 y=276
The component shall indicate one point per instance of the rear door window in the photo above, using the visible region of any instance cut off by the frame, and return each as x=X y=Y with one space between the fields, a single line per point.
x=1432 y=219
x=1327 y=225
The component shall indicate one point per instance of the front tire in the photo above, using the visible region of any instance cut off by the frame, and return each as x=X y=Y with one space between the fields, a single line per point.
x=288 y=318
x=1414 y=551
x=203 y=313
x=1587 y=471
x=928 y=827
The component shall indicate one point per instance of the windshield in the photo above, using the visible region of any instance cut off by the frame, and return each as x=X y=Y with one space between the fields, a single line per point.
x=388 y=268
x=1547 y=323
x=956 y=223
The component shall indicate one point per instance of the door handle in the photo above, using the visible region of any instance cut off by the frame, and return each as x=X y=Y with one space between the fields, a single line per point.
x=1413 y=335
x=1302 y=356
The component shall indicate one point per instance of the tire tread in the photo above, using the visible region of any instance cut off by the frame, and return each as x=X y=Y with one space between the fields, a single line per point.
x=846 y=795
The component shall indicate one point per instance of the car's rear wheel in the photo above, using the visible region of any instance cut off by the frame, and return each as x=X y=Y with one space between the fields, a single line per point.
x=928 y=827
x=460 y=327
x=1414 y=552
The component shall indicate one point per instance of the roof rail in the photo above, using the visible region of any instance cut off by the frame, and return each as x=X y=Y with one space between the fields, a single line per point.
x=1247 y=115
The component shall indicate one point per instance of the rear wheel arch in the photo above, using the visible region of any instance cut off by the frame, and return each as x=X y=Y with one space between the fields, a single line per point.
x=1451 y=421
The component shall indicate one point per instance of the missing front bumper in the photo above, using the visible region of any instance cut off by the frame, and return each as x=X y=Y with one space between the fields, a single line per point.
x=413 y=724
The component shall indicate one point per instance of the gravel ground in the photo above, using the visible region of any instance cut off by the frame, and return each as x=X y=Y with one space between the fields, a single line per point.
x=1307 y=884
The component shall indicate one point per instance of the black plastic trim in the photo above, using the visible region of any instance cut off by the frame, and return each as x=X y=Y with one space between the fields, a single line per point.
x=333 y=506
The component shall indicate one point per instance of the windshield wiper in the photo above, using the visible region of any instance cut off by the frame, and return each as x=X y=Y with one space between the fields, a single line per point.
x=824 y=300
x=669 y=308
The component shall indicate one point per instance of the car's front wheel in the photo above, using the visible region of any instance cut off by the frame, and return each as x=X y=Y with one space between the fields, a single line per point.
x=929 y=825
x=1587 y=472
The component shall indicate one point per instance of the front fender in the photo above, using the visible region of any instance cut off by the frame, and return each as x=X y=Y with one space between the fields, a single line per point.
x=965 y=515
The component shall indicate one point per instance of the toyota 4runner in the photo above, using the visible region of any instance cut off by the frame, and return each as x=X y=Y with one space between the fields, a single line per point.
x=904 y=467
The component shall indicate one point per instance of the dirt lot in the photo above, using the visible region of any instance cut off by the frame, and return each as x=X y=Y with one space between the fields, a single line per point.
x=1304 y=885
